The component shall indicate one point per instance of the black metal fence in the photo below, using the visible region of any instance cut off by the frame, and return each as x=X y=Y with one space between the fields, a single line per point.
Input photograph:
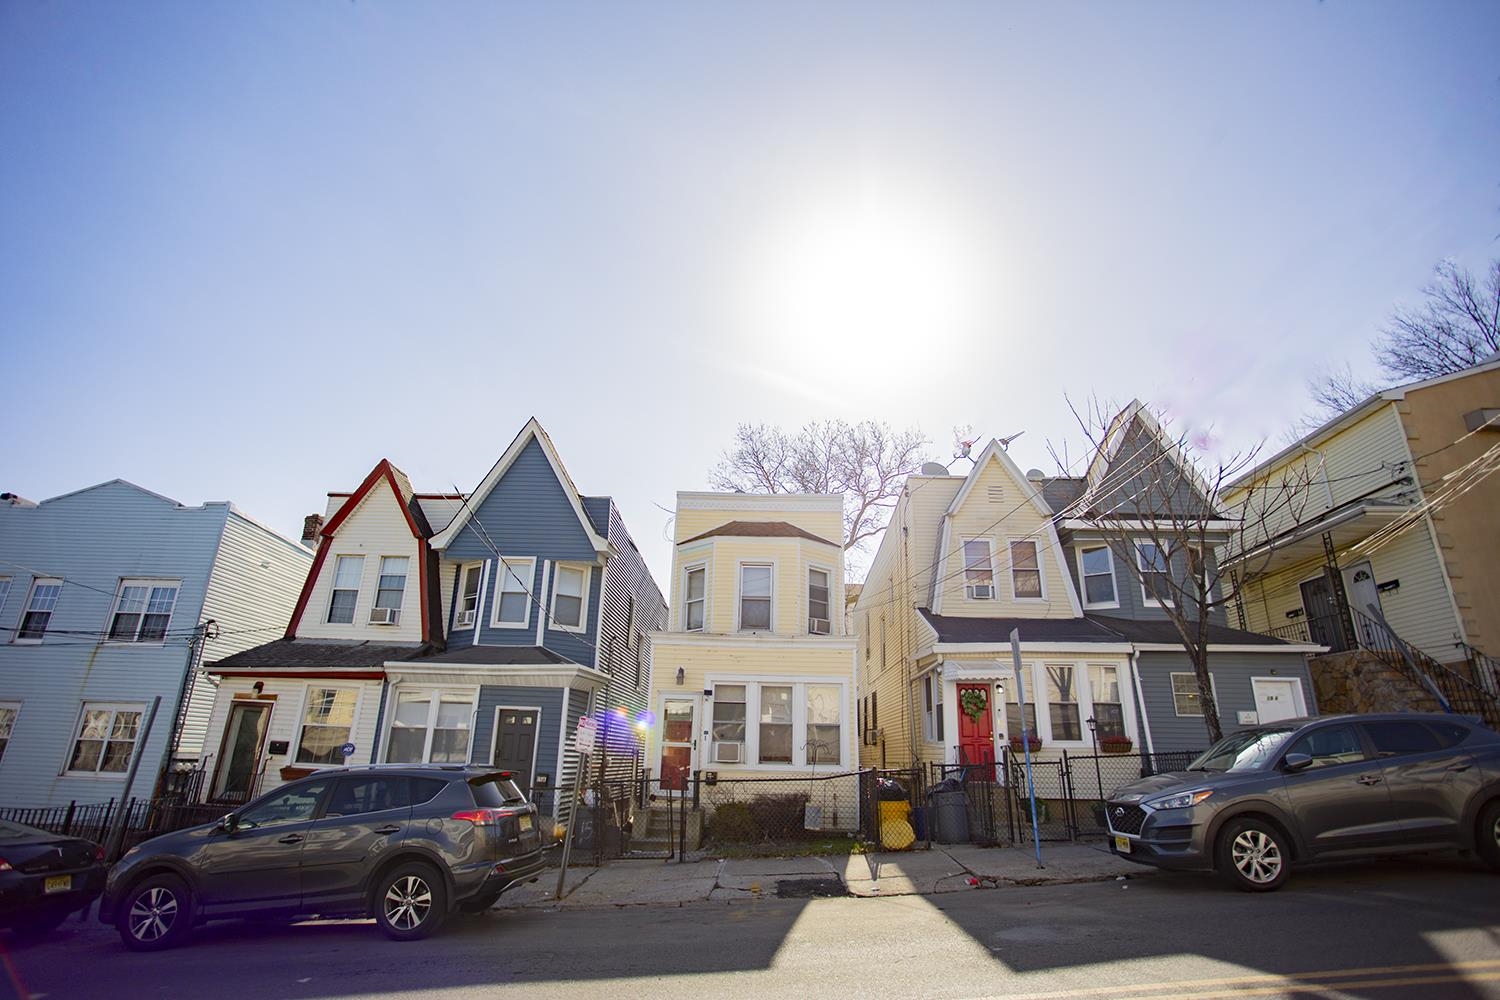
x=142 y=819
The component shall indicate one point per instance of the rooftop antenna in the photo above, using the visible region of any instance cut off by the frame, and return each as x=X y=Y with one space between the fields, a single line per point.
x=1005 y=441
x=963 y=443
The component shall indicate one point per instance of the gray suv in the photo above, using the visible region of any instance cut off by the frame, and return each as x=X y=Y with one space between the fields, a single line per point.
x=1322 y=789
x=404 y=844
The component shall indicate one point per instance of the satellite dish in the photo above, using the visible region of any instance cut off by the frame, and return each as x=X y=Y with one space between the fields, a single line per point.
x=1035 y=474
x=934 y=469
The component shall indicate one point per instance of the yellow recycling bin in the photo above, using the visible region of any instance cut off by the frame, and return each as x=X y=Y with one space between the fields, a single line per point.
x=896 y=833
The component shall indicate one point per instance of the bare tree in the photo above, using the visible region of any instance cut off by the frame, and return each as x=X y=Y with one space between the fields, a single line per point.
x=867 y=462
x=1456 y=326
x=1159 y=492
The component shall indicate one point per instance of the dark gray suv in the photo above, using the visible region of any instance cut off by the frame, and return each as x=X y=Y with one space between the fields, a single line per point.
x=404 y=844
x=1301 y=790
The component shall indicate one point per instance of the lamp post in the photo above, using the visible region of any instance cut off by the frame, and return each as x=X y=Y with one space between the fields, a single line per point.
x=1093 y=725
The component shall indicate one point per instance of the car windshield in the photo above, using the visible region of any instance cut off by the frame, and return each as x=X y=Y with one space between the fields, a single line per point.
x=496 y=792
x=1247 y=751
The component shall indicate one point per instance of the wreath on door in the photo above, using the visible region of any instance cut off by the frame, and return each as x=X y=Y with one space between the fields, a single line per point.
x=973 y=702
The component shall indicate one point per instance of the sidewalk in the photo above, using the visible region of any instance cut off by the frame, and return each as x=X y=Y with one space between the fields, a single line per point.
x=945 y=868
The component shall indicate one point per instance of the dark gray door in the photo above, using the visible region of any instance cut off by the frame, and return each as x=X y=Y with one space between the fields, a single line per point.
x=1323 y=625
x=515 y=743
x=257 y=868
x=243 y=736
x=1429 y=782
x=365 y=817
x=1341 y=802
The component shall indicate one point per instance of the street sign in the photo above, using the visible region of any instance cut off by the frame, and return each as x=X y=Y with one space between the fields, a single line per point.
x=347 y=750
x=587 y=735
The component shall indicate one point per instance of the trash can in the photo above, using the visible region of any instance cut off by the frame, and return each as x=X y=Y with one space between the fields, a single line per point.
x=894 y=810
x=948 y=812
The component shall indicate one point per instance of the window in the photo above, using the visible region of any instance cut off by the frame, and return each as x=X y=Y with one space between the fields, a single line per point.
x=1198 y=569
x=729 y=723
x=1329 y=747
x=4 y=590
x=1152 y=562
x=1096 y=564
x=326 y=722
x=979 y=570
x=1062 y=701
x=142 y=610
x=291 y=804
x=8 y=713
x=1395 y=738
x=755 y=598
x=694 y=599
x=825 y=714
x=389 y=590
x=1185 y=694
x=346 y=576
x=1109 y=710
x=1025 y=571
x=932 y=709
x=1013 y=713
x=430 y=727
x=468 y=596
x=818 y=622
x=513 y=605
x=568 y=597
x=357 y=796
x=775 y=724
x=106 y=739
x=39 y=607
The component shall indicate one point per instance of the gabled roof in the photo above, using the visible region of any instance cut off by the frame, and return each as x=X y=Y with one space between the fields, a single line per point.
x=400 y=486
x=1118 y=432
x=759 y=529
x=115 y=482
x=531 y=432
x=994 y=453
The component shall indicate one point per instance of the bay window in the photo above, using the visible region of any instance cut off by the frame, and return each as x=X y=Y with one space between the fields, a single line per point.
x=777 y=724
x=818 y=621
x=694 y=598
x=729 y=724
x=430 y=727
x=1109 y=711
x=755 y=598
x=1062 y=702
x=824 y=723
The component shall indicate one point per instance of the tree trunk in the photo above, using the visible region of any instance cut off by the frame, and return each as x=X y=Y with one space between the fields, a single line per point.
x=1206 y=695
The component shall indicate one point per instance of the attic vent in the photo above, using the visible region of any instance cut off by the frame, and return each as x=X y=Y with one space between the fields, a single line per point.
x=996 y=494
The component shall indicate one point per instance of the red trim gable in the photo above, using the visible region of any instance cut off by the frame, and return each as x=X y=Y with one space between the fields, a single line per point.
x=383 y=470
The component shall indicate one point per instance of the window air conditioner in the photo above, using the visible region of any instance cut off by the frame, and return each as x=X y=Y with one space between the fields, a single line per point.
x=385 y=616
x=872 y=737
x=818 y=626
x=728 y=753
x=465 y=619
x=982 y=591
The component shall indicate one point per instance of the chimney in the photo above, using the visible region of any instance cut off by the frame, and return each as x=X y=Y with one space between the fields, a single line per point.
x=311 y=525
x=16 y=500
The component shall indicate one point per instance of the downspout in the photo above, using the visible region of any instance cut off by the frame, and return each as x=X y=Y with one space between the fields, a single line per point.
x=1143 y=723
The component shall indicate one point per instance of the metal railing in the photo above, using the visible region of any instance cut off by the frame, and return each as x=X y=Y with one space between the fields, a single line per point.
x=1456 y=693
x=143 y=819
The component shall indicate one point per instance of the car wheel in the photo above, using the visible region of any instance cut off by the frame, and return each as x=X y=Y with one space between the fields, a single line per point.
x=1253 y=856
x=1487 y=837
x=156 y=913
x=41 y=925
x=411 y=902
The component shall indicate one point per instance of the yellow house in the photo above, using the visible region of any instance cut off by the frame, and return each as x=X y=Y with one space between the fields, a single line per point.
x=754 y=675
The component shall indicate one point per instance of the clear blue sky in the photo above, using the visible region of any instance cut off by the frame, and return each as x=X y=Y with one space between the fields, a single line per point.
x=246 y=250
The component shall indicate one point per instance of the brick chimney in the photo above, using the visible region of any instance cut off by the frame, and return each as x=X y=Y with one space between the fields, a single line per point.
x=311 y=525
x=16 y=500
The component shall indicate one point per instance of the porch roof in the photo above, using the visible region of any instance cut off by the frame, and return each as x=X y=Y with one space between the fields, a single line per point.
x=1165 y=633
x=313 y=655
x=1349 y=524
x=990 y=631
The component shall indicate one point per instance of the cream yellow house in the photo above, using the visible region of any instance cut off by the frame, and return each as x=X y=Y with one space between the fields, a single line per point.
x=754 y=676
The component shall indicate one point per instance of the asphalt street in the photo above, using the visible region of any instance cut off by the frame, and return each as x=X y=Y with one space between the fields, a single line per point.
x=1417 y=928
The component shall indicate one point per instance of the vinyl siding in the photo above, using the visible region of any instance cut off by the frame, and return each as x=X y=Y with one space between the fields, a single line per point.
x=1231 y=674
x=1132 y=603
x=549 y=700
x=790 y=559
x=632 y=607
x=377 y=528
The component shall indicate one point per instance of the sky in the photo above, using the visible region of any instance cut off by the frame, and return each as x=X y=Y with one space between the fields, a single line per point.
x=248 y=250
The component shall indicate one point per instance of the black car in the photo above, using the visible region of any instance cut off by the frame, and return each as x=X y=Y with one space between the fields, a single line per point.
x=406 y=845
x=1319 y=789
x=45 y=877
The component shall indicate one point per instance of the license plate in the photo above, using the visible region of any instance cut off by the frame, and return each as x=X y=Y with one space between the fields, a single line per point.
x=58 y=883
x=1122 y=844
x=526 y=823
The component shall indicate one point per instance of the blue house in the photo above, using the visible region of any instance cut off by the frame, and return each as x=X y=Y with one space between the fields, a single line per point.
x=545 y=600
x=109 y=597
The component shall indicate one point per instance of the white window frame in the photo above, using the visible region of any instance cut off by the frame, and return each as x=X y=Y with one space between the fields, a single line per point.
x=113 y=707
x=687 y=573
x=15 y=707
x=1083 y=577
x=739 y=594
x=1041 y=576
x=1044 y=705
x=5 y=582
x=506 y=565
x=458 y=600
x=40 y=581
x=149 y=584
x=963 y=557
x=1213 y=686
x=583 y=600
x=435 y=695
x=334 y=588
x=300 y=720
x=828 y=572
x=713 y=742
x=380 y=574
x=799 y=685
x=932 y=708
x=1146 y=599
x=1127 y=712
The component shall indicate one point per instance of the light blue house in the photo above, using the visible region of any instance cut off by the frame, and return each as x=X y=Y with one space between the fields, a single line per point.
x=108 y=598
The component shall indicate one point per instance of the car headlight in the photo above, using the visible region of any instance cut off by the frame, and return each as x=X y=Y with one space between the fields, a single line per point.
x=1180 y=800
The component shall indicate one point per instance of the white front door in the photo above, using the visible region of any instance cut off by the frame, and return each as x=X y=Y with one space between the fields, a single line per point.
x=1277 y=698
x=679 y=741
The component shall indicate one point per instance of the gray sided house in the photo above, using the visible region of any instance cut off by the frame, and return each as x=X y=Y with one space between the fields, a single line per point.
x=545 y=602
x=1139 y=478
x=106 y=596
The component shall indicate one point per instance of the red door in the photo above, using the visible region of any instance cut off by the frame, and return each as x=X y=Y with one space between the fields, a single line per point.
x=976 y=736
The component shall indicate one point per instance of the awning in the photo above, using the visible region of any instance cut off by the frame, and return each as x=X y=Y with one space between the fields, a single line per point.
x=1348 y=525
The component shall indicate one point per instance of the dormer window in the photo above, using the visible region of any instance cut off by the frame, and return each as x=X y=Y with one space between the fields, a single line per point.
x=755 y=598
x=1097 y=565
x=979 y=570
x=1025 y=571
x=818 y=622
x=388 y=594
x=1152 y=563
x=694 y=599
x=513 y=602
x=568 y=597
x=468 y=596
x=346 y=574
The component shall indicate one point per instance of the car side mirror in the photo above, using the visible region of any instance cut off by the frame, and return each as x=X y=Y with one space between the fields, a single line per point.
x=1296 y=762
x=228 y=823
